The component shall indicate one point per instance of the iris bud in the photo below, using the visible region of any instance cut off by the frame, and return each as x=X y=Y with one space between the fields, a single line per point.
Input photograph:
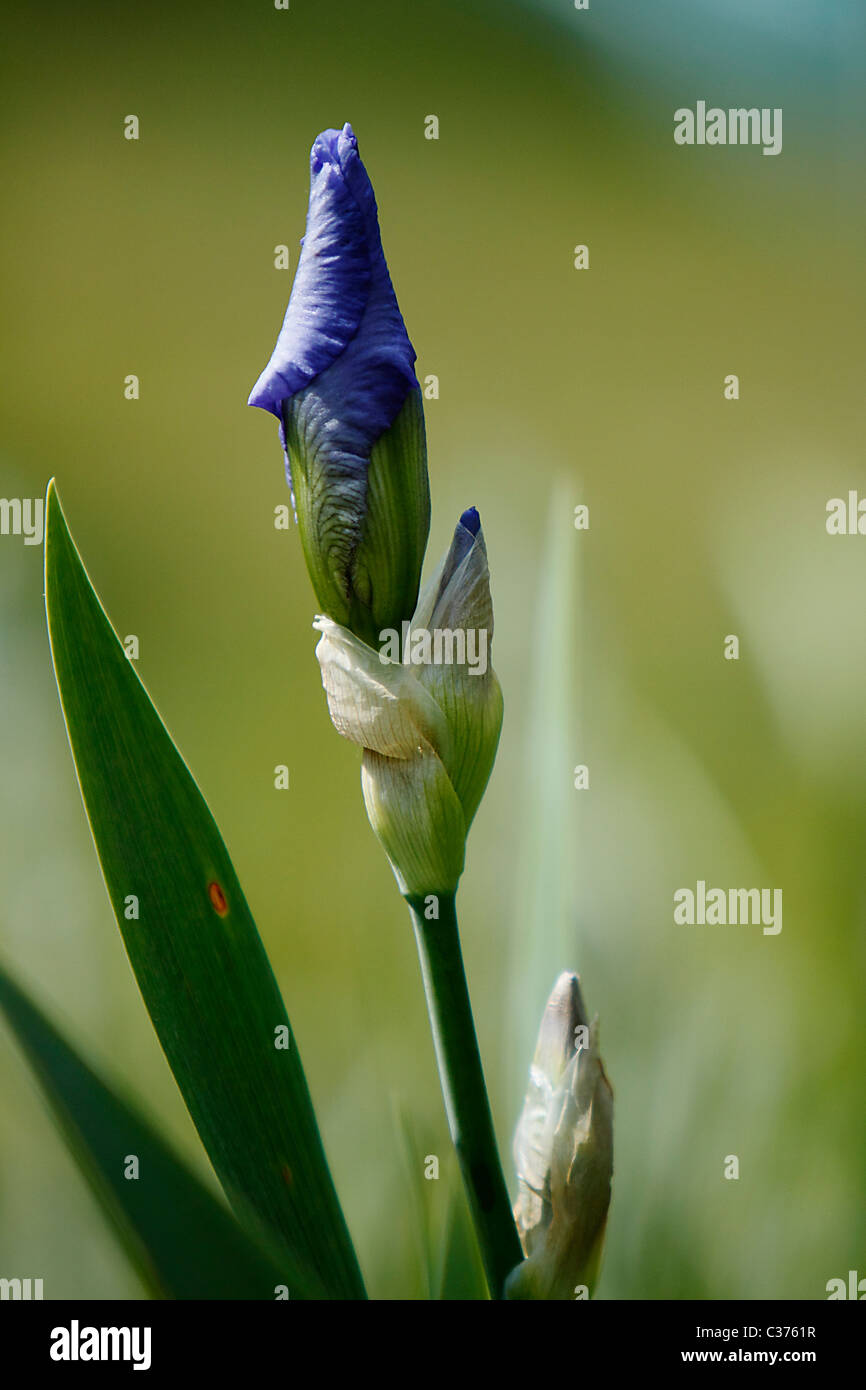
x=563 y=1153
x=341 y=382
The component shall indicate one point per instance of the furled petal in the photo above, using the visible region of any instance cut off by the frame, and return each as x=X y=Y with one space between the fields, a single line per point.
x=363 y=522
x=342 y=281
x=341 y=381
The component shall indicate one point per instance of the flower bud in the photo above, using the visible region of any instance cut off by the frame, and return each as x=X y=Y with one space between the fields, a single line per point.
x=427 y=710
x=563 y=1153
x=342 y=383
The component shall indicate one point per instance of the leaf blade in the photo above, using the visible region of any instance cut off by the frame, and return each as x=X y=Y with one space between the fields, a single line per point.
x=194 y=948
x=184 y=1243
x=543 y=938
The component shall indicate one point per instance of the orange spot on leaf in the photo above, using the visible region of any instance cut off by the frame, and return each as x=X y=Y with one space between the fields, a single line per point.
x=217 y=899
x=287 y=1175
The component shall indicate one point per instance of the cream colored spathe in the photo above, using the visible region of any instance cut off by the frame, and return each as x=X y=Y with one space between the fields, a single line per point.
x=429 y=732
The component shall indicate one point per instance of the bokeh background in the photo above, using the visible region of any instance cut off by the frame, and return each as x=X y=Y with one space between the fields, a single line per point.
x=557 y=387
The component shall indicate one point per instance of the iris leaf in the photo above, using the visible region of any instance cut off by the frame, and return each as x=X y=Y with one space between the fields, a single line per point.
x=193 y=945
x=544 y=929
x=445 y=1250
x=184 y=1243
x=461 y=1273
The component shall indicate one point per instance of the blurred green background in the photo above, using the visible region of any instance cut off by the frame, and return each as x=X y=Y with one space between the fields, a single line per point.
x=558 y=387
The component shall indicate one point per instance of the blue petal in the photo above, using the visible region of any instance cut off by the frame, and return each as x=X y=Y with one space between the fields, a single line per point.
x=343 y=333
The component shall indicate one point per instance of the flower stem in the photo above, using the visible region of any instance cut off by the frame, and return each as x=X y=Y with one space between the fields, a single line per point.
x=463 y=1088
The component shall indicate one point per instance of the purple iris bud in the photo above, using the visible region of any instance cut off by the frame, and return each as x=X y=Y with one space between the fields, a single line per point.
x=342 y=383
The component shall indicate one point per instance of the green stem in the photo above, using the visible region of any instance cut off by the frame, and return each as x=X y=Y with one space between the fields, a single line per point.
x=463 y=1089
